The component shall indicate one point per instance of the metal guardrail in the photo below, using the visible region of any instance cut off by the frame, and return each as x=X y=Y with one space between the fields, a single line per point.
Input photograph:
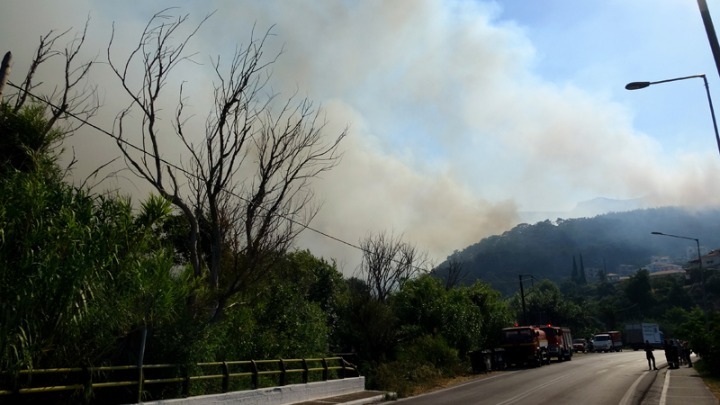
x=83 y=380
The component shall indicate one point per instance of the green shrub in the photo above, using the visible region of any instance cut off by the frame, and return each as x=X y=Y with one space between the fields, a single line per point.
x=404 y=378
x=432 y=350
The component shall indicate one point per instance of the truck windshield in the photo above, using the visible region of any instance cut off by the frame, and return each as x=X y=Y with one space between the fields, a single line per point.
x=550 y=332
x=601 y=338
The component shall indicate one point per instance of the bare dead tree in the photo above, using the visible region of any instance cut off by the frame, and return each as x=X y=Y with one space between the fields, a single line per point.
x=455 y=273
x=388 y=262
x=75 y=98
x=248 y=180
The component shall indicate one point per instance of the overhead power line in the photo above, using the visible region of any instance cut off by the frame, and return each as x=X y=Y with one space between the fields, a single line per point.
x=186 y=172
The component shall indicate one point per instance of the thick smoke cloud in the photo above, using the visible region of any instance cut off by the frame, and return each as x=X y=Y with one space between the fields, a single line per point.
x=453 y=133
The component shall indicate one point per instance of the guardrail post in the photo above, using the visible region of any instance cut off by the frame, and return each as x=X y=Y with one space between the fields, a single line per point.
x=186 y=382
x=325 y=369
x=87 y=384
x=226 y=377
x=342 y=368
x=16 y=387
x=283 y=373
x=141 y=377
x=254 y=368
x=141 y=359
x=305 y=371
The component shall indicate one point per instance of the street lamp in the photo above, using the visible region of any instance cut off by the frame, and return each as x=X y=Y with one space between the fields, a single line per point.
x=702 y=276
x=642 y=85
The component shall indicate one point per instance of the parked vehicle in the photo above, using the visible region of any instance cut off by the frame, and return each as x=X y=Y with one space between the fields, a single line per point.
x=602 y=342
x=559 y=342
x=610 y=341
x=617 y=342
x=637 y=333
x=525 y=345
x=580 y=345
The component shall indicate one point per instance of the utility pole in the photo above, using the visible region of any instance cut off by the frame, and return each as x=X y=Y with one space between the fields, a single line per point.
x=522 y=296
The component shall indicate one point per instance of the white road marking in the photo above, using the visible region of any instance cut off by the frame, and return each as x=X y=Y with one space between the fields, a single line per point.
x=628 y=394
x=528 y=392
x=666 y=384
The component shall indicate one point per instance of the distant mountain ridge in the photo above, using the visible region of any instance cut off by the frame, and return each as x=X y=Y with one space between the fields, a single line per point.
x=602 y=205
x=612 y=242
x=589 y=208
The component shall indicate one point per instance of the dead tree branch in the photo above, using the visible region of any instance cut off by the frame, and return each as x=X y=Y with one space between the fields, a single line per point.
x=246 y=178
x=388 y=263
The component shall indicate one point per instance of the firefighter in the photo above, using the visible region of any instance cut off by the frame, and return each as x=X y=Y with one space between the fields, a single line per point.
x=649 y=355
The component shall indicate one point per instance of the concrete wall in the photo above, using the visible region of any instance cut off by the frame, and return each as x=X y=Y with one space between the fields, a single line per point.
x=275 y=395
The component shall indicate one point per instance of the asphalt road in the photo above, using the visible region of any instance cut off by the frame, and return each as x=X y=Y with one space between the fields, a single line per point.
x=593 y=378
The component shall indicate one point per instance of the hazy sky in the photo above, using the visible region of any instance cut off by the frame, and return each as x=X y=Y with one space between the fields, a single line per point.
x=461 y=114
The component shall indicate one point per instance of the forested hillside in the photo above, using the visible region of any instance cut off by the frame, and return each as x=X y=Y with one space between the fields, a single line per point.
x=608 y=243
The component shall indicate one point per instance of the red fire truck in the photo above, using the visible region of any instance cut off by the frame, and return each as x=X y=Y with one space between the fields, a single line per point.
x=560 y=344
x=525 y=345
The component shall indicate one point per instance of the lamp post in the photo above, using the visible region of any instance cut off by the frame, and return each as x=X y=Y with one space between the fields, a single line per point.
x=642 y=85
x=702 y=276
x=710 y=30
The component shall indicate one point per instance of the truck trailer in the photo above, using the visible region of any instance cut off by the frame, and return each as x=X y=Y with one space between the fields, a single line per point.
x=637 y=333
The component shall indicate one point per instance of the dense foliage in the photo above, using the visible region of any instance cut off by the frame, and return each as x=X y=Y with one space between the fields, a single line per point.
x=88 y=279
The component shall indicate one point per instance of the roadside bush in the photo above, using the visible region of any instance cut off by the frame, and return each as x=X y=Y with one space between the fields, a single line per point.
x=432 y=350
x=420 y=366
x=404 y=378
x=711 y=346
x=701 y=331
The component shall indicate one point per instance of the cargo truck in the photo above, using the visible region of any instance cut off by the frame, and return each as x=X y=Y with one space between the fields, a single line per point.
x=636 y=334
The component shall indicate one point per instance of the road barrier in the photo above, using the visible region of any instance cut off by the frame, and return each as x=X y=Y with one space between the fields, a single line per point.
x=85 y=383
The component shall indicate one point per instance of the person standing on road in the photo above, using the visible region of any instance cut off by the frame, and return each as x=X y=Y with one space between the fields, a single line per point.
x=674 y=354
x=686 y=353
x=649 y=355
x=668 y=356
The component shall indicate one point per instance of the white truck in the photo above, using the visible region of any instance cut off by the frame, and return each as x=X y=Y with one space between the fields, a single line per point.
x=610 y=341
x=637 y=333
